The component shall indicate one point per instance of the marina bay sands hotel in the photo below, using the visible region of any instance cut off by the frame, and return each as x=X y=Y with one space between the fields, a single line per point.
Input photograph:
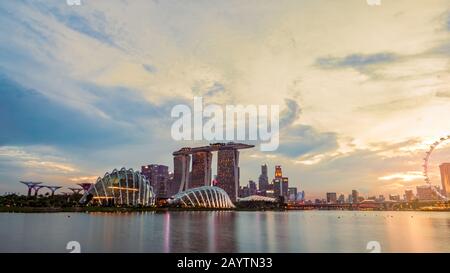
x=200 y=174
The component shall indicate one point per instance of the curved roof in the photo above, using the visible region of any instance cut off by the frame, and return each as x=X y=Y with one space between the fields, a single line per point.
x=203 y=197
x=122 y=187
x=255 y=198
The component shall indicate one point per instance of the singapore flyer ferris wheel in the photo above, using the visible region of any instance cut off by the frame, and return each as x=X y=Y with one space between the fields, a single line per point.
x=427 y=160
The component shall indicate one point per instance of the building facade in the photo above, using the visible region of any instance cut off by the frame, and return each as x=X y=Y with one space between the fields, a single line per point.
x=331 y=198
x=228 y=172
x=158 y=176
x=445 y=179
x=201 y=173
x=263 y=180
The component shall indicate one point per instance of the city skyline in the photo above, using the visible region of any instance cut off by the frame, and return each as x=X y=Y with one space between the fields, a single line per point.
x=89 y=88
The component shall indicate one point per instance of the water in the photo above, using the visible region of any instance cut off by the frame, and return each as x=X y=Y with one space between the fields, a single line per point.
x=195 y=231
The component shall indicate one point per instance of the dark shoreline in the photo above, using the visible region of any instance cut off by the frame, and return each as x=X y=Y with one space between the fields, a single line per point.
x=154 y=209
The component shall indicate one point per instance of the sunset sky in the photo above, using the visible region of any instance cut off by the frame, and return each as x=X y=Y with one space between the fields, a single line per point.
x=363 y=89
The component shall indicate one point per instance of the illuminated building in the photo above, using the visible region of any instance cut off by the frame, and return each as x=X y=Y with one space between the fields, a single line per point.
x=158 y=177
x=280 y=184
x=202 y=197
x=181 y=175
x=121 y=187
x=200 y=175
x=331 y=198
x=228 y=172
x=257 y=198
x=278 y=172
x=277 y=187
x=445 y=178
x=271 y=193
x=201 y=169
x=285 y=187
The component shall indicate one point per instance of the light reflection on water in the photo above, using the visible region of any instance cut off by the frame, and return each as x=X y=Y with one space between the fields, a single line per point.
x=226 y=231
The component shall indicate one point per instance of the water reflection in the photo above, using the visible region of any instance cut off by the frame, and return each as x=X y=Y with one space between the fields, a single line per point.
x=222 y=231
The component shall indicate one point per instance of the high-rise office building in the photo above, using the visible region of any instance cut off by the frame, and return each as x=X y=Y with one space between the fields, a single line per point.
x=355 y=196
x=201 y=169
x=341 y=199
x=331 y=198
x=292 y=194
x=228 y=172
x=426 y=193
x=252 y=187
x=285 y=187
x=409 y=195
x=158 y=176
x=445 y=178
x=280 y=184
x=263 y=179
x=181 y=174
x=278 y=172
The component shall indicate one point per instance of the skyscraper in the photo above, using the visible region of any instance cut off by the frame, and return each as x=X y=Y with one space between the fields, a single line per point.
x=201 y=169
x=355 y=196
x=181 y=163
x=263 y=179
x=278 y=172
x=409 y=195
x=445 y=178
x=292 y=194
x=341 y=199
x=426 y=193
x=331 y=198
x=158 y=176
x=280 y=184
x=252 y=187
x=285 y=187
x=228 y=171
x=277 y=187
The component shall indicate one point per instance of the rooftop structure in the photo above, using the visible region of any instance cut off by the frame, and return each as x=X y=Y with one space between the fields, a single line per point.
x=203 y=197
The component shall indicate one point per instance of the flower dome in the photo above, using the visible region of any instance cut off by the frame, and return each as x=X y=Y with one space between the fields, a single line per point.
x=120 y=187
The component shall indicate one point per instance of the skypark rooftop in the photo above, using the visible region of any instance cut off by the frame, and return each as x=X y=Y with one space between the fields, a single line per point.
x=213 y=147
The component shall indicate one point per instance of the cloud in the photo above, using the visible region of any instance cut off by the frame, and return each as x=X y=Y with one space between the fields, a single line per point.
x=403 y=176
x=447 y=22
x=290 y=114
x=356 y=61
x=28 y=117
x=443 y=94
x=19 y=157
x=150 y=68
x=299 y=140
